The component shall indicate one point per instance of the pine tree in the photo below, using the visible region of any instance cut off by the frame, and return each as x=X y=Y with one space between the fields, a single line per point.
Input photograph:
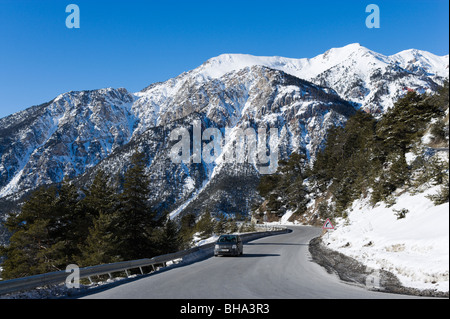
x=99 y=248
x=170 y=240
x=406 y=121
x=67 y=228
x=23 y=255
x=231 y=226
x=100 y=197
x=221 y=225
x=98 y=207
x=398 y=172
x=267 y=184
x=31 y=236
x=324 y=210
x=286 y=190
x=205 y=226
x=187 y=229
x=134 y=220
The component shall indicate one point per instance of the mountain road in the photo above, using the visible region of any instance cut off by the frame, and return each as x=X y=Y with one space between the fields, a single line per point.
x=274 y=267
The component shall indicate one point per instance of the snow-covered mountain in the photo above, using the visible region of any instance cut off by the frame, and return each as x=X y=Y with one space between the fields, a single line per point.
x=356 y=73
x=78 y=132
x=65 y=137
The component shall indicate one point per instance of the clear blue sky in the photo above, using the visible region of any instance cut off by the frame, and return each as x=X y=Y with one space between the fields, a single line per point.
x=134 y=43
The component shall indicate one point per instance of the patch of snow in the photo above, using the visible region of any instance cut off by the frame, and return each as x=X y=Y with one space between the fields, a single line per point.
x=410 y=157
x=189 y=185
x=414 y=248
x=285 y=217
x=198 y=241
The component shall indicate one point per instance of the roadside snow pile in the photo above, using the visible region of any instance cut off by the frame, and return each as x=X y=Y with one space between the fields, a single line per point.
x=414 y=248
x=198 y=241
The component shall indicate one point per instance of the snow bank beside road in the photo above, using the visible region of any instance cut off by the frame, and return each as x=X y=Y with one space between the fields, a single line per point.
x=414 y=248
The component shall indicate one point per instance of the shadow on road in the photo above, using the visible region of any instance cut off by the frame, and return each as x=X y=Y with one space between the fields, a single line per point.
x=246 y=255
x=279 y=244
x=258 y=255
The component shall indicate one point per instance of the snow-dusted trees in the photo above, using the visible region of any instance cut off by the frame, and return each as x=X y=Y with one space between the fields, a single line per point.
x=368 y=155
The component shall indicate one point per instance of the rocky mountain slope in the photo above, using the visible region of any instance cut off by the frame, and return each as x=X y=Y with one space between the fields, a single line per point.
x=79 y=132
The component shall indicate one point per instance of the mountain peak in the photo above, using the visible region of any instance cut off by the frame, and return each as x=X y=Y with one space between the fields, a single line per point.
x=431 y=63
x=218 y=66
x=347 y=49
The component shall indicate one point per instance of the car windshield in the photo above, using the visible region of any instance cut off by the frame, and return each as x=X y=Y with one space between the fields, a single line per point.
x=227 y=239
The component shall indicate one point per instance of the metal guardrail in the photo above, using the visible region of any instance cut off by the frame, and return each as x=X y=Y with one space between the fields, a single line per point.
x=269 y=227
x=58 y=277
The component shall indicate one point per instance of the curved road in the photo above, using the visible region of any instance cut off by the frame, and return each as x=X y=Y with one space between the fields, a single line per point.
x=272 y=267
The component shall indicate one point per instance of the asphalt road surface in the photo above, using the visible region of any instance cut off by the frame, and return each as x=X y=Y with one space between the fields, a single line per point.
x=273 y=267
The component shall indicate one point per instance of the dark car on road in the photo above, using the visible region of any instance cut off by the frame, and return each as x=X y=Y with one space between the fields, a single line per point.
x=229 y=245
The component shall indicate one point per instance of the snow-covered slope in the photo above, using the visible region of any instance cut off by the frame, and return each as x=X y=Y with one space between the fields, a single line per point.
x=371 y=79
x=303 y=68
x=417 y=60
x=415 y=248
x=65 y=137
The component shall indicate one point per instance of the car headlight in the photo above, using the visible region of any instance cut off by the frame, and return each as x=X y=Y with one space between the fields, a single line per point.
x=216 y=247
x=234 y=247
